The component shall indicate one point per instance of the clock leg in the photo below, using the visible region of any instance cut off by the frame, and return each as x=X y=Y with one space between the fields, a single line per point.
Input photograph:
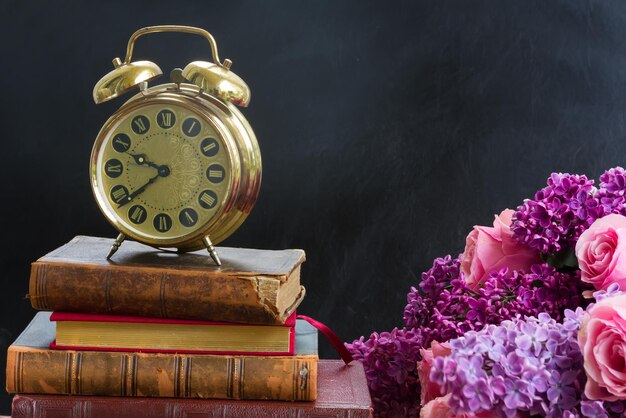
x=211 y=249
x=116 y=245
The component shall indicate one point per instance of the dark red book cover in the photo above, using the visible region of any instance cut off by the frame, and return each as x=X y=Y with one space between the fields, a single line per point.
x=69 y=316
x=342 y=392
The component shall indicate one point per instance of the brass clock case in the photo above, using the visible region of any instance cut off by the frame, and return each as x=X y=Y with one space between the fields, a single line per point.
x=242 y=152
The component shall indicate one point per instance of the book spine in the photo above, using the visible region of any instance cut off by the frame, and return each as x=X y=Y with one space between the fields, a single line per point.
x=32 y=406
x=182 y=294
x=161 y=375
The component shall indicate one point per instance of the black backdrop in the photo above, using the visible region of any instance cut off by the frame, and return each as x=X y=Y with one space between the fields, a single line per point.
x=388 y=129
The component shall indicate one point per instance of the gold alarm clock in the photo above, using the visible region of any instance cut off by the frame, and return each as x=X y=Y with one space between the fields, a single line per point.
x=177 y=166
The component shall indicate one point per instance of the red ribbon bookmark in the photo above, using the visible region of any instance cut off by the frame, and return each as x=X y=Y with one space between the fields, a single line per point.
x=331 y=337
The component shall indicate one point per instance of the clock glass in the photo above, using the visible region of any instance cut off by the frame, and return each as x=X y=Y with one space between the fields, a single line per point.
x=163 y=171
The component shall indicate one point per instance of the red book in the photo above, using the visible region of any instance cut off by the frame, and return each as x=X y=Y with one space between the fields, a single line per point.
x=88 y=332
x=342 y=392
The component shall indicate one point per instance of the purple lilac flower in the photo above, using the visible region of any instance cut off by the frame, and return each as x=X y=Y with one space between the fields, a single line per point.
x=561 y=390
x=444 y=308
x=448 y=308
x=545 y=378
x=593 y=409
x=390 y=360
x=505 y=374
x=558 y=214
x=612 y=290
x=612 y=191
x=480 y=395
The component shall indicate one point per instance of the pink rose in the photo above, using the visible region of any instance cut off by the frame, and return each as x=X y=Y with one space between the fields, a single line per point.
x=439 y=408
x=430 y=390
x=602 y=340
x=490 y=249
x=601 y=252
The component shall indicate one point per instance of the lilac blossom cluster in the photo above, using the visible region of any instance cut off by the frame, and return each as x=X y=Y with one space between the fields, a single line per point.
x=501 y=362
x=390 y=360
x=612 y=191
x=444 y=307
x=566 y=207
x=532 y=364
x=559 y=213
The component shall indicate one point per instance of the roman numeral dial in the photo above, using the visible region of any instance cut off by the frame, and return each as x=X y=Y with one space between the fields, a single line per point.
x=113 y=168
x=140 y=124
x=121 y=142
x=215 y=173
x=119 y=194
x=191 y=127
x=188 y=217
x=209 y=147
x=207 y=199
x=166 y=119
x=137 y=214
x=164 y=171
x=162 y=222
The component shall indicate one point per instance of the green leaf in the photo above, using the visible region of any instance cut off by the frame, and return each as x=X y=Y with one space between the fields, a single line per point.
x=563 y=260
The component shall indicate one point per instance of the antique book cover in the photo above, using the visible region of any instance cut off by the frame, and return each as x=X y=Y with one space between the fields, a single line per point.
x=33 y=367
x=251 y=286
x=342 y=392
x=75 y=331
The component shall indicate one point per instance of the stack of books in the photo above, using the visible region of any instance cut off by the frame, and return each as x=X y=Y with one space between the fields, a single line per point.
x=150 y=324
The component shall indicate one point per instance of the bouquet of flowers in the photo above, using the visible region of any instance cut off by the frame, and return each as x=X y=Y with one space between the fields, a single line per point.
x=529 y=320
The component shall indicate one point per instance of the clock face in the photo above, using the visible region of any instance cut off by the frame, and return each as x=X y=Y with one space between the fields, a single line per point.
x=163 y=171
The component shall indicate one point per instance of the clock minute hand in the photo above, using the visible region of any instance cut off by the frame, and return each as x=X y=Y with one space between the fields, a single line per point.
x=137 y=192
x=164 y=171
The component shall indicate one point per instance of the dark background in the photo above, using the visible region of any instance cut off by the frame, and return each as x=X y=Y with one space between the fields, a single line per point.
x=387 y=129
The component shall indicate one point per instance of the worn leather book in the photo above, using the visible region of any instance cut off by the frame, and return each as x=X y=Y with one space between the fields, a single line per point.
x=342 y=392
x=251 y=286
x=33 y=367
x=76 y=331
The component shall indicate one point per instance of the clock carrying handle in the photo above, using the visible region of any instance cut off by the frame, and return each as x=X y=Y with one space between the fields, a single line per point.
x=180 y=29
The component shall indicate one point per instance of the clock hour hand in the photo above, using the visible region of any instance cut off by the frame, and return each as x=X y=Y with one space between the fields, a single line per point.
x=164 y=171
x=141 y=160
